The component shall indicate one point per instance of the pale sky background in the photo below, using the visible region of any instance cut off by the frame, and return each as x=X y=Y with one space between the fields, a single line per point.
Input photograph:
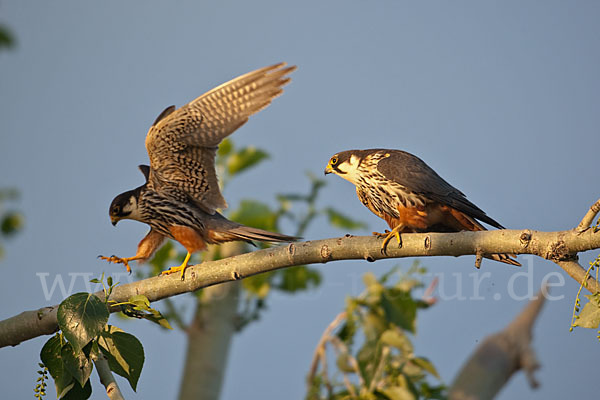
x=501 y=98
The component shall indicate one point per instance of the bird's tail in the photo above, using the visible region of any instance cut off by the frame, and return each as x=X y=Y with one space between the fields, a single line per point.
x=219 y=230
x=470 y=224
x=249 y=234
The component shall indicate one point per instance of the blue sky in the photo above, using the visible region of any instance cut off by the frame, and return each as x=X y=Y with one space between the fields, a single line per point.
x=500 y=98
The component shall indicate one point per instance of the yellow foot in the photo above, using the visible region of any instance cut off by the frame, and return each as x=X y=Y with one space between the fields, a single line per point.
x=118 y=260
x=395 y=233
x=181 y=268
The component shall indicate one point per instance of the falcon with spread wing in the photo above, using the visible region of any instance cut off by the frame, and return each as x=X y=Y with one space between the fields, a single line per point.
x=181 y=195
x=410 y=196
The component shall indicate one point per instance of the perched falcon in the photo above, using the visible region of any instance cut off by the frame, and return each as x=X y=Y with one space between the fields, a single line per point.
x=181 y=195
x=410 y=196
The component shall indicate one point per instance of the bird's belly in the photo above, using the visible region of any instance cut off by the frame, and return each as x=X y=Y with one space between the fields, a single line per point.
x=188 y=237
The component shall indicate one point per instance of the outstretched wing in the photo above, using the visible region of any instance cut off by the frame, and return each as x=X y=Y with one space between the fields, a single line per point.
x=182 y=143
x=416 y=176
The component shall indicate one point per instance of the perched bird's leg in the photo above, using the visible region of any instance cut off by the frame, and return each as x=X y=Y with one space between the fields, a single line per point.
x=380 y=235
x=119 y=260
x=181 y=268
x=394 y=233
x=146 y=248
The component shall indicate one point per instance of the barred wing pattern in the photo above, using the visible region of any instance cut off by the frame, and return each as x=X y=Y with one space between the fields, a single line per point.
x=182 y=143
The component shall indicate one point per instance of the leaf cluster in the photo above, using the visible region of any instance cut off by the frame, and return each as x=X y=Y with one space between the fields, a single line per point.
x=589 y=315
x=85 y=336
x=374 y=355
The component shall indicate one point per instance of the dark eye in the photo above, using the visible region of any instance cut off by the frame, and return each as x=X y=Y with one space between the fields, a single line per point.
x=116 y=210
x=334 y=160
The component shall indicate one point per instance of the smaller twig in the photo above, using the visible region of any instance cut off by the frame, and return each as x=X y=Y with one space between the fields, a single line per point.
x=343 y=349
x=107 y=378
x=588 y=218
x=478 y=258
x=428 y=294
x=379 y=371
x=321 y=346
x=339 y=349
x=581 y=275
x=325 y=376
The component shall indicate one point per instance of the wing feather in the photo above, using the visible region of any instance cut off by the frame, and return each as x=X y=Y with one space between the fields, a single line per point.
x=182 y=143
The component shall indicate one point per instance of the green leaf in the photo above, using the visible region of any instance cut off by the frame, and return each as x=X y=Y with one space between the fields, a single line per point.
x=78 y=364
x=589 y=317
x=51 y=357
x=79 y=393
x=343 y=221
x=256 y=214
x=343 y=363
x=398 y=393
x=124 y=352
x=6 y=38
x=426 y=365
x=392 y=337
x=225 y=148
x=82 y=317
x=258 y=285
x=399 y=308
x=140 y=301
x=244 y=159
x=298 y=278
x=12 y=222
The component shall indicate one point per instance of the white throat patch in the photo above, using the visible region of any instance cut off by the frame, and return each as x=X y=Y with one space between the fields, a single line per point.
x=349 y=169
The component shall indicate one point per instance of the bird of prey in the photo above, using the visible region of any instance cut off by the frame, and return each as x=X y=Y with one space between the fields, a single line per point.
x=410 y=196
x=181 y=195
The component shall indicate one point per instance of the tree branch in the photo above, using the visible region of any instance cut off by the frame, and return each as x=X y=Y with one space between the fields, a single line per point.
x=499 y=356
x=107 y=379
x=588 y=218
x=560 y=247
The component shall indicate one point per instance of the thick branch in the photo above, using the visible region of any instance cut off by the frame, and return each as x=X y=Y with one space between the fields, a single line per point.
x=556 y=246
x=499 y=356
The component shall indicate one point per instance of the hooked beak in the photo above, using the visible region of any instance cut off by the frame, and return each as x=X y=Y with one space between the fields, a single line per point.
x=114 y=221
x=328 y=170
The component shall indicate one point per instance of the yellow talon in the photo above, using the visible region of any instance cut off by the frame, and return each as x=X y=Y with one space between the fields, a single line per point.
x=181 y=268
x=395 y=233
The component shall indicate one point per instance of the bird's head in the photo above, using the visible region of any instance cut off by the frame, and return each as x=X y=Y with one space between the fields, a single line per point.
x=345 y=164
x=124 y=206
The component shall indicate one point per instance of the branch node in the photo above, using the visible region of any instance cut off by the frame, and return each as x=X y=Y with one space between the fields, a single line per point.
x=236 y=275
x=291 y=249
x=558 y=251
x=325 y=253
x=427 y=243
x=478 y=258
x=525 y=238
